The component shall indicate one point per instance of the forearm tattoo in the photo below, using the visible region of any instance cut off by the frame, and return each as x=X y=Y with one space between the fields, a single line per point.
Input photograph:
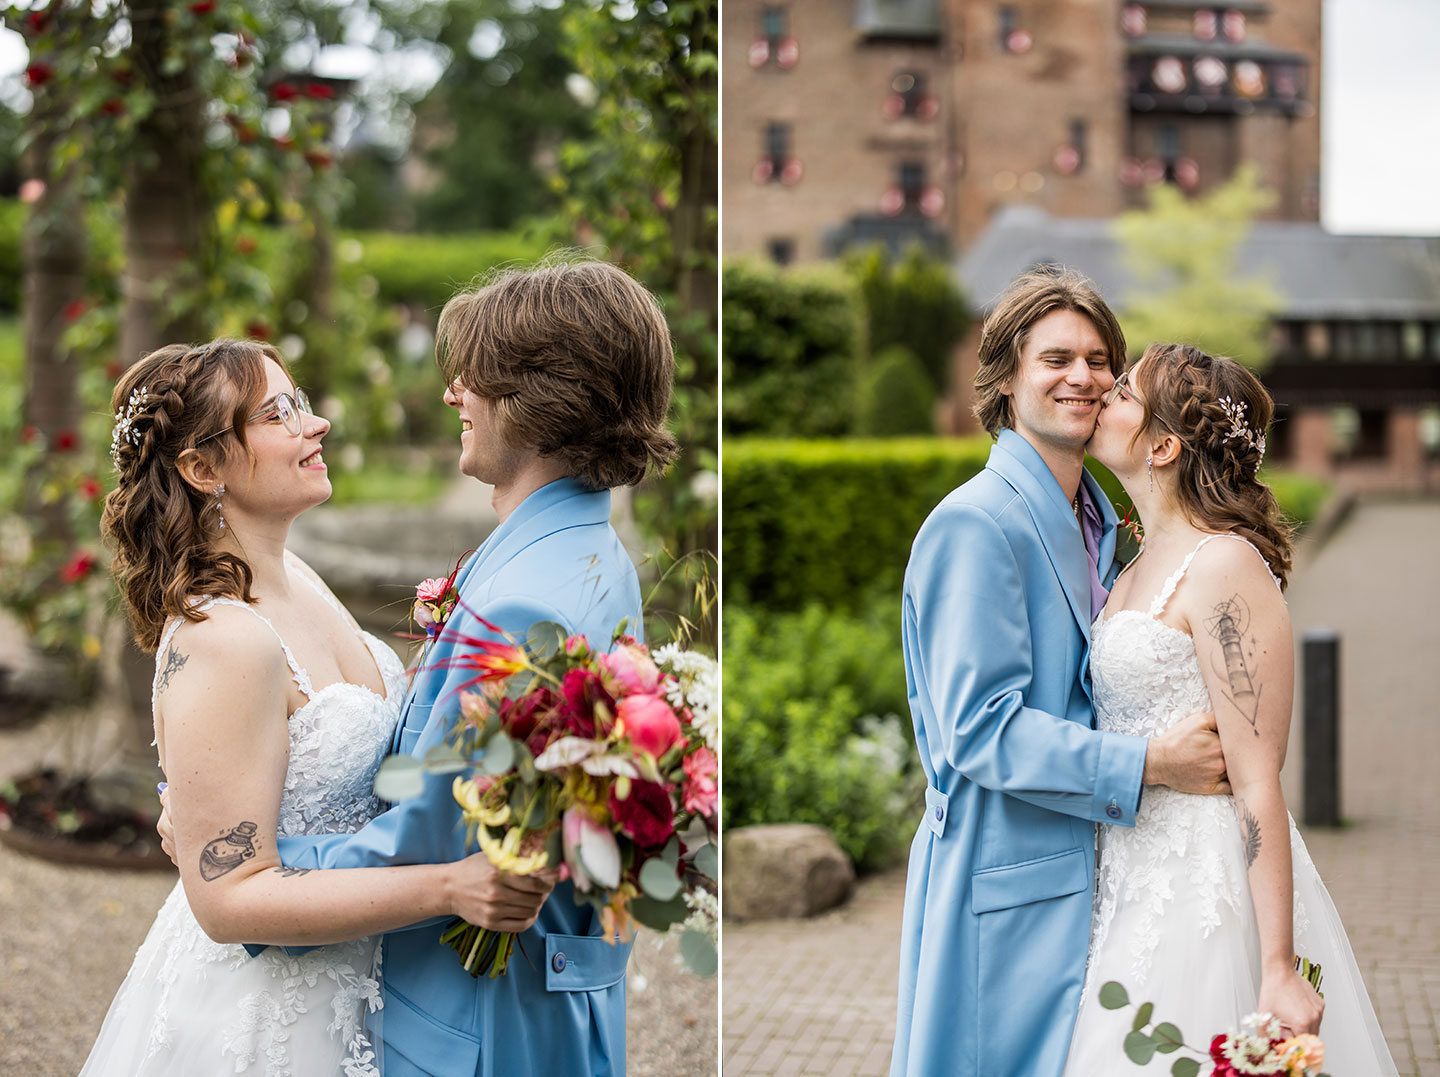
x=1228 y=623
x=227 y=852
x=292 y=873
x=1251 y=826
x=174 y=663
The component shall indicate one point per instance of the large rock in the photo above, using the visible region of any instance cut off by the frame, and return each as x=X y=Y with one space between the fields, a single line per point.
x=779 y=870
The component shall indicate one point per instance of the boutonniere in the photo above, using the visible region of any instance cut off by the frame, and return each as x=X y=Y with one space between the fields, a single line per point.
x=1131 y=522
x=435 y=600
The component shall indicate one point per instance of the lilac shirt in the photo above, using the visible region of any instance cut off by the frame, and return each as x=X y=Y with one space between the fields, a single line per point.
x=1091 y=528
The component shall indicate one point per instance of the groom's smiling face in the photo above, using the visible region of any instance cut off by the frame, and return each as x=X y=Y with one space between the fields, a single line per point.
x=484 y=452
x=1063 y=372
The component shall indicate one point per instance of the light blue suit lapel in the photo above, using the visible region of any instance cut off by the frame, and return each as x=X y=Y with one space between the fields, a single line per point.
x=1019 y=464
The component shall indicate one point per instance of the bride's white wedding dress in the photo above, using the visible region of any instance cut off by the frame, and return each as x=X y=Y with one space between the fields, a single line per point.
x=191 y=1007
x=1173 y=920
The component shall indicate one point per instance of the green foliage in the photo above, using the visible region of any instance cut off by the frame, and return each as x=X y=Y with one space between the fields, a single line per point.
x=792 y=348
x=914 y=302
x=1182 y=255
x=815 y=726
x=426 y=270
x=896 y=397
x=12 y=223
x=831 y=521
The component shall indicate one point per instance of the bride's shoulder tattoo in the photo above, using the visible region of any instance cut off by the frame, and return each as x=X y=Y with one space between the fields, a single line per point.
x=1228 y=622
x=174 y=663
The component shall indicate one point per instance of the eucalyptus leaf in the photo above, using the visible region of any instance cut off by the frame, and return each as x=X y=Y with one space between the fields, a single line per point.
x=657 y=879
x=671 y=853
x=1139 y=1048
x=499 y=755
x=699 y=952
x=443 y=759
x=1167 y=1038
x=1142 y=1016
x=545 y=637
x=659 y=915
x=1113 y=995
x=707 y=860
x=554 y=848
x=1187 y=1067
x=399 y=778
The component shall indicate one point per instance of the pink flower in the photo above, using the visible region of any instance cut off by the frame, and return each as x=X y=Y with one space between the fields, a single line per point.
x=591 y=852
x=701 y=792
x=432 y=590
x=649 y=723
x=646 y=814
x=629 y=669
x=77 y=568
x=423 y=618
x=1302 y=1053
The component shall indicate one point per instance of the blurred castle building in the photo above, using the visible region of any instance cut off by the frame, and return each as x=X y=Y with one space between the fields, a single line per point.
x=1013 y=133
x=859 y=120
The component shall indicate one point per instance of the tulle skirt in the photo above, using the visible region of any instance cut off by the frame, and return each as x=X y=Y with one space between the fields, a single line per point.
x=1178 y=929
x=192 y=1007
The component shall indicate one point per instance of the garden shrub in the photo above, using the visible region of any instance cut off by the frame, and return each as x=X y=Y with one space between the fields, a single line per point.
x=833 y=521
x=912 y=301
x=817 y=727
x=895 y=396
x=791 y=344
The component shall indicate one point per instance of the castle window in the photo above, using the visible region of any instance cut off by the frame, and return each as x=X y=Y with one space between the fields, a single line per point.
x=774 y=43
x=908 y=97
x=781 y=250
x=1012 y=38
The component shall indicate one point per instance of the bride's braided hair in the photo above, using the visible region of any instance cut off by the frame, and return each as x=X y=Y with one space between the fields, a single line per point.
x=161 y=529
x=1219 y=410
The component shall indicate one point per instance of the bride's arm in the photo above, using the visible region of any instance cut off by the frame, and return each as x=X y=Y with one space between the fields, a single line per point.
x=1243 y=641
x=221 y=721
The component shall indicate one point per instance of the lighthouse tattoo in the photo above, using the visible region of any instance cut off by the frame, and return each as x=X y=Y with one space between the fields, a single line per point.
x=1228 y=623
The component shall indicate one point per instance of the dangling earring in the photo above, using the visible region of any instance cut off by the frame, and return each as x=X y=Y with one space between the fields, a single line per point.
x=1149 y=470
x=219 y=508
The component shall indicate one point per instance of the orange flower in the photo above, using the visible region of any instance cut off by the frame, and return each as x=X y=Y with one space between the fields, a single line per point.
x=1301 y=1054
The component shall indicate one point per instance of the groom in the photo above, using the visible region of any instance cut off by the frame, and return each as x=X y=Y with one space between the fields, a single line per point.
x=561 y=378
x=1004 y=580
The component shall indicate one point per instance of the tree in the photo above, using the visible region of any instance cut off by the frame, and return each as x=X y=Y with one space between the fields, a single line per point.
x=1181 y=254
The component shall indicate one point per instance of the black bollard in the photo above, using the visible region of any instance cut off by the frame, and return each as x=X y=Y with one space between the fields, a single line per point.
x=1322 y=727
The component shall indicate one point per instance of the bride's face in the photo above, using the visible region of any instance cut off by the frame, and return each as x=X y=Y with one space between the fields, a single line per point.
x=1120 y=420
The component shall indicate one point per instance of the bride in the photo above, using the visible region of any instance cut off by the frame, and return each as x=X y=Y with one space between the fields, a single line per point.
x=1203 y=905
x=272 y=712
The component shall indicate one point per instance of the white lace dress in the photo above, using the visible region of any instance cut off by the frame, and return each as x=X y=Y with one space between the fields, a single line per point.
x=191 y=1007
x=1173 y=920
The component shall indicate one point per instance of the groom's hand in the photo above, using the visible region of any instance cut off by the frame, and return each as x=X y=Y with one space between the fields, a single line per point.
x=1187 y=757
x=164 y=827
x=497 y=900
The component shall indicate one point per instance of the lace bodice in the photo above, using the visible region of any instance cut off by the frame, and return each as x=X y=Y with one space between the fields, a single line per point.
x=1147 y=677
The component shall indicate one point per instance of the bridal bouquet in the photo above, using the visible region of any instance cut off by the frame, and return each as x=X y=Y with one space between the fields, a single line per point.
x=1256 y=1049
x=599 y=762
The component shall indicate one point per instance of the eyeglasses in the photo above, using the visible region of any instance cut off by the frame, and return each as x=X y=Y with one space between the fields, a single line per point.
x=1122 y=385
x=287 y=408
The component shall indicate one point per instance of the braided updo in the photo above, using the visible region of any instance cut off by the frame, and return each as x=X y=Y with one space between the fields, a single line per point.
x=161 y=529
x=1219 y=410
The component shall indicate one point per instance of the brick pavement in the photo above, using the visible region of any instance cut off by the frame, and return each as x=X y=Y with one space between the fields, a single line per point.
x=818 y=996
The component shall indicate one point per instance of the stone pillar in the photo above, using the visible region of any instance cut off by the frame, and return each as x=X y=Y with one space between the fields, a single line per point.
x=1311 y=440
x=1404 y=449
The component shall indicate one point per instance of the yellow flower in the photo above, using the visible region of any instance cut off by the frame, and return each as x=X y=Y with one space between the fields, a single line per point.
x=1301 y=1053
x=473 y=810
x=505 y=853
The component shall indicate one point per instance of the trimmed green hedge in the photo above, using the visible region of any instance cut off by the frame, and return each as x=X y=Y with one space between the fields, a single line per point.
x=831 y=522
x=429 y=269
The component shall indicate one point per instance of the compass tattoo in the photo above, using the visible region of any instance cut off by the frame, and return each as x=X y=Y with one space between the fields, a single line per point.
x=1228 y=623
x=174 y=663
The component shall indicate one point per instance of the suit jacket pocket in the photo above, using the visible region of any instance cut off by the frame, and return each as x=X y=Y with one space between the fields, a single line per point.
x=1009 y=885
x=415 y=719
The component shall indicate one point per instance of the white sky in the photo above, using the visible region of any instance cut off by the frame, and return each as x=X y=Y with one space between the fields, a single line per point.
x=1380 y=112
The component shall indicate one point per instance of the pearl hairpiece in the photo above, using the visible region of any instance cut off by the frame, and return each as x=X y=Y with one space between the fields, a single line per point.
x=125 y=422
x=1240 y=428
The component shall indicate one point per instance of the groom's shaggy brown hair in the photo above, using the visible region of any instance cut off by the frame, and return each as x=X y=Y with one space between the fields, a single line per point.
x=575 y=356
x=1029 y=298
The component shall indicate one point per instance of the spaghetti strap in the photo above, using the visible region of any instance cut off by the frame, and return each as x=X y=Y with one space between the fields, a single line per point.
x=302 y=678
x=1157 y=607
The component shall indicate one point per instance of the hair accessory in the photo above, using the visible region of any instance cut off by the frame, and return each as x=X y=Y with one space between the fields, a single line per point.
x=125 y=422
x=219 y=508
x=1240 y=428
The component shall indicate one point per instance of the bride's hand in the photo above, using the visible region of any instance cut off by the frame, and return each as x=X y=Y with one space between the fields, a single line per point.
x=1290 y=997
x=495 y=899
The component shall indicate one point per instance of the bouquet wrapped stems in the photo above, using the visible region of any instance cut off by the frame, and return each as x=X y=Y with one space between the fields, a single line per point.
x=480 y=949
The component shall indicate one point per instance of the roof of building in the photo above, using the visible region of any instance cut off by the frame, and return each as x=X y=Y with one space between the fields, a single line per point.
x=1318 y=274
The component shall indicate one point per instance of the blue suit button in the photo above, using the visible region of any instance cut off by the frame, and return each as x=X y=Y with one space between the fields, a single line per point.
x=558 y=962
x=1113 y=812
x=939 y=813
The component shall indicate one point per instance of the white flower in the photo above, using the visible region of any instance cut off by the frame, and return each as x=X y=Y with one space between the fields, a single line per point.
x=696 y=686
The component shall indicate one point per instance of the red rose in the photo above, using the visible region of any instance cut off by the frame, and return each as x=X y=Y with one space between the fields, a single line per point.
x=584 y=692
x=113 y=106
x=77 y=568
x=38 y=21
x=65 y=441
x=284 y=91
x=646 y=815
x=39 y=74
x=202 y=7
x=28 y=434
x=90 y=489
x=74 y=309
x=319 y=91
x=319 y=158
x=522 y=718
x=257 y=330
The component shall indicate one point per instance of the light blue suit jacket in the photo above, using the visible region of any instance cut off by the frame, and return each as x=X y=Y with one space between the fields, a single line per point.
x=560 y=1008
x=1001 y=876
